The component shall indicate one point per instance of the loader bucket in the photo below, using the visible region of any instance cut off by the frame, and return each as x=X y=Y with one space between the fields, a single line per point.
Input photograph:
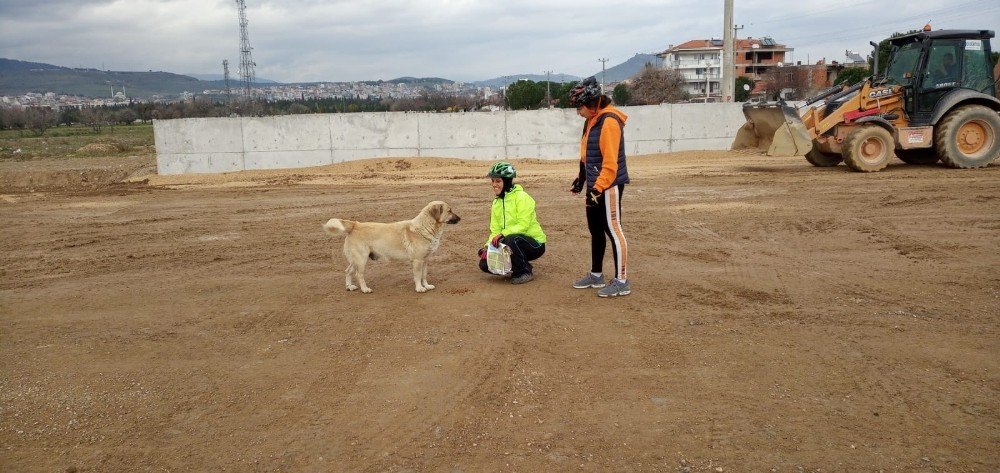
x=774 y=127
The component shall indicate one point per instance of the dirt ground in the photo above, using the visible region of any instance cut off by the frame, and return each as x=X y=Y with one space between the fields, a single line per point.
x=783 y=318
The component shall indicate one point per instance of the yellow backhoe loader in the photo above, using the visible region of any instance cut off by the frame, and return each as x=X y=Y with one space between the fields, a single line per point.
x=935 y=100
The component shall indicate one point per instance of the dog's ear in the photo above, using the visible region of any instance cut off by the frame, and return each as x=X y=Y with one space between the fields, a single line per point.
x=436 y=210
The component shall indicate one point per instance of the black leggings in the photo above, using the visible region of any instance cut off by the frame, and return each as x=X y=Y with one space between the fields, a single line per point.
x=604 y=220
x=522 y=250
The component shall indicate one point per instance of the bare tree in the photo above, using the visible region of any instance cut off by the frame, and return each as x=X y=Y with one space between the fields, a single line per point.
x=39 y=119
x=790 y=83
x=655 y=85
x=94 y=117
x=12 y=118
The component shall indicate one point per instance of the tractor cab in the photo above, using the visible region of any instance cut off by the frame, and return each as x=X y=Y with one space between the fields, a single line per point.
x=937 y=69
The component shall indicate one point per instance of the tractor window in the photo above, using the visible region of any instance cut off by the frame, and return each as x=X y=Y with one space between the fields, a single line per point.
x=944 y=68
x=977 y=67
x=901 y=64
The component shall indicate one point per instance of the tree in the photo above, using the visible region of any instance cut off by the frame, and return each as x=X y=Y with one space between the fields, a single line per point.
x=789 y=83
x=655 y=85
x=69 y=116
x=562 y=94
x=621 y=95
x=883 y=52
x=525 y=95
x=12 y=118
x=851 y=76
x=743 y=93
x=298 y=109
x=39 y=119
x=94 y=117
x=126 y=116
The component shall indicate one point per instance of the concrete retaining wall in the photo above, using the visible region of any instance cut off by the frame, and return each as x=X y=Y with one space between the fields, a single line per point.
x=213 y=145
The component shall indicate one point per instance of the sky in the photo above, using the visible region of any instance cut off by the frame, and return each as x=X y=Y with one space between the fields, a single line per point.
x=465 y=40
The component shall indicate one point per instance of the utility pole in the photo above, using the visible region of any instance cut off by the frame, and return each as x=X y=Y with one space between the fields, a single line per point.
x=728 y=83
x=603 y=60
x=548 y=92
x=708 y=85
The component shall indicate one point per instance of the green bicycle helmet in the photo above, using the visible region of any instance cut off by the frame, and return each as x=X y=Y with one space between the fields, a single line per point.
x=503 y=170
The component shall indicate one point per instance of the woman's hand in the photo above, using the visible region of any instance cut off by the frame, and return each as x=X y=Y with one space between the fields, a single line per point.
x=577 y=186
x=593 y=197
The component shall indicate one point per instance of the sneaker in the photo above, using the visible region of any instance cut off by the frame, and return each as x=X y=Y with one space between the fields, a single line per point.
x=589 y=281
x=522 y=278
x=615 y=289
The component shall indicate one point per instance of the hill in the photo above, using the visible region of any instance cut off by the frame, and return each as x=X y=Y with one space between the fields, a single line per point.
x=232 y=78
x=498 y=82
x=617 y=73
x=20 y=77
x=628 y=69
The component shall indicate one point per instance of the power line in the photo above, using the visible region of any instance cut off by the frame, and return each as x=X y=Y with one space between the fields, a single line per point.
x=784 y=18
x=906 y=24
x=938 y=16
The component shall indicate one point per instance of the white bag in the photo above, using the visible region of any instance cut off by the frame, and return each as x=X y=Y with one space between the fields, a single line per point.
x=498 y=259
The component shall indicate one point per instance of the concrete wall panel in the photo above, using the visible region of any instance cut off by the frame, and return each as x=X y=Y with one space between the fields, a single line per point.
x=706 y=120
x=648 y=123
x=542 y=127
x=481 y=152
x=548 y=151
x=199 y=135
x=648 y=147
x=287 y=133
x=389 y=130
x=461 y=130
x=170 y=164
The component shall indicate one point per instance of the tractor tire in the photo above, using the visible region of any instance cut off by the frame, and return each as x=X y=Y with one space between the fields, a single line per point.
x=823 y=160
x=968 y=137
x=917 y=156
x=868 y=149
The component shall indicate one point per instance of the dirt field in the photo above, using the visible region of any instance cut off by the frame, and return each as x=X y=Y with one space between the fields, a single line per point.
x=783 y=318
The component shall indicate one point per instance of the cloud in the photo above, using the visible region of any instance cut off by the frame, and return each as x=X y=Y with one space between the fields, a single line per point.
x=314 y=40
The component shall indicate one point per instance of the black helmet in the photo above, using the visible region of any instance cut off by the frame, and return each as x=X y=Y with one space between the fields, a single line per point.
x=585 y=92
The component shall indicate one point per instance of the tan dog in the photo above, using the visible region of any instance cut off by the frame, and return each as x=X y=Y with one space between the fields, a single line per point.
x=412 y=240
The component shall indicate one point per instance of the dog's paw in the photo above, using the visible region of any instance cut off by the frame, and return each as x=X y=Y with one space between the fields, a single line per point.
x=421 y=289
x=366 y=290
x=428 y=286
x=352 y=287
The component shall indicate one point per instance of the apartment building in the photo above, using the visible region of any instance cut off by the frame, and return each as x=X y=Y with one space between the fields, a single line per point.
x=699 y=61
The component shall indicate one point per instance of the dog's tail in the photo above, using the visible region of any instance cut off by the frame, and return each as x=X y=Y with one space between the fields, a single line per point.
x=336 y=226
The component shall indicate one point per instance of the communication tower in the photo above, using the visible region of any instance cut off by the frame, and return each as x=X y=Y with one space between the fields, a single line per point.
x=246 y=57
x=225 y=77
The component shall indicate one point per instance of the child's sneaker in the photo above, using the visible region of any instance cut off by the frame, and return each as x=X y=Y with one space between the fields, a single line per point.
x=522 y=278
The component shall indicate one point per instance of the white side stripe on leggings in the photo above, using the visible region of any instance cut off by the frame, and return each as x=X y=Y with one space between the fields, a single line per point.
x=613 y=210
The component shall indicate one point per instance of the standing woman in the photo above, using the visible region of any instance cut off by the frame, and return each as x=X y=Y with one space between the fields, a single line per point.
x=603 y=175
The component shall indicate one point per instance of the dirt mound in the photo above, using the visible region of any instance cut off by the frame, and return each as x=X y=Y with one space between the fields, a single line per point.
x=68 y=175
x=103 y=148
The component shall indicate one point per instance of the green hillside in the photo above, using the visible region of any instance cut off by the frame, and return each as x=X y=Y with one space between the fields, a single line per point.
x=20 y=77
